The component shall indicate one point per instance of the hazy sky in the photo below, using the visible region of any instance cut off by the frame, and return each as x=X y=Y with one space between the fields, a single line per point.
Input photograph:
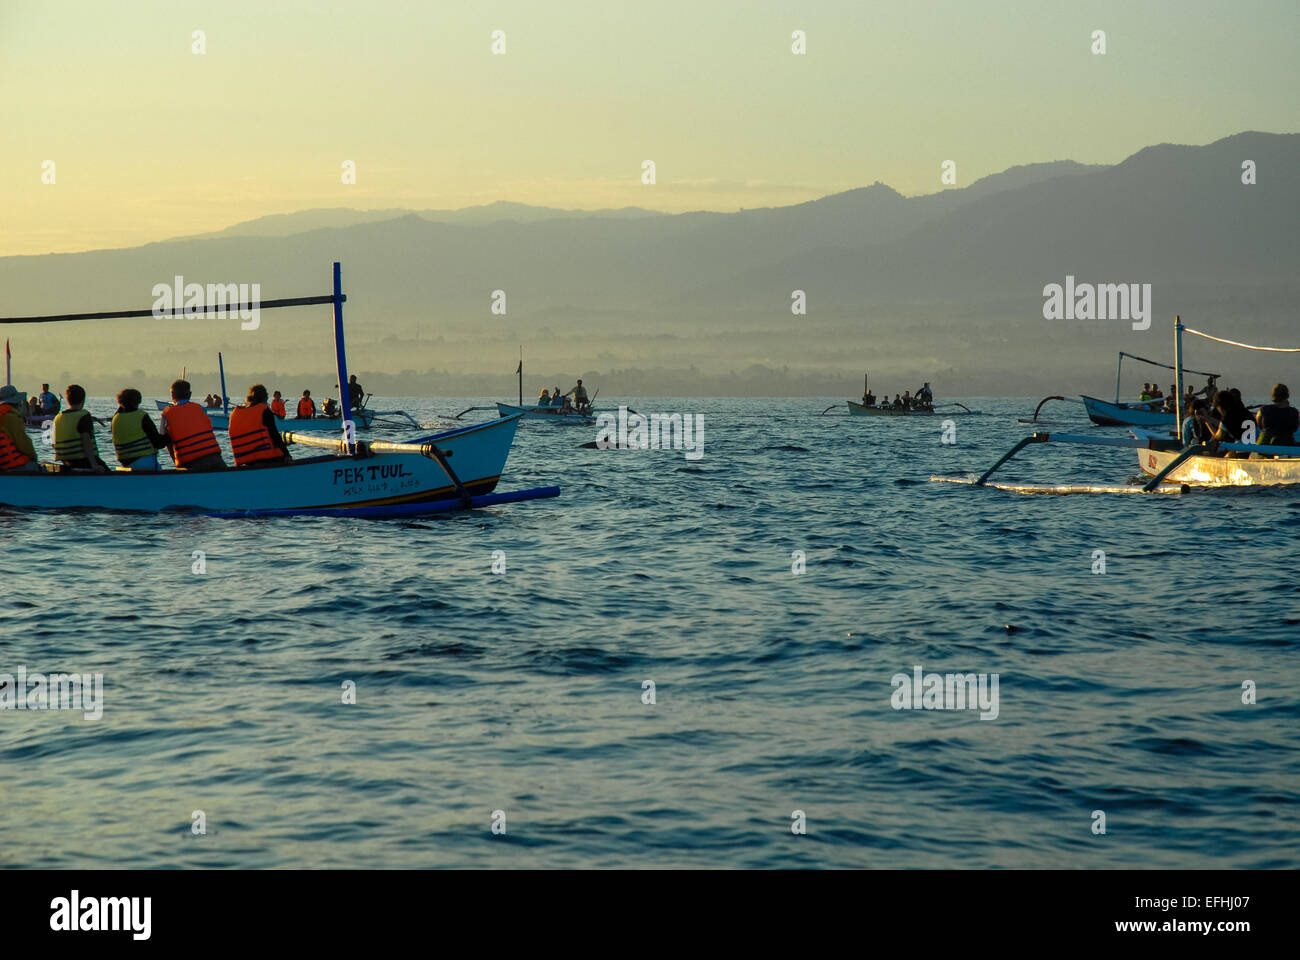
x=151 y=140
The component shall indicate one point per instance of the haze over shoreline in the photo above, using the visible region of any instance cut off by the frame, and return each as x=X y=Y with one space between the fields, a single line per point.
x=945 y=287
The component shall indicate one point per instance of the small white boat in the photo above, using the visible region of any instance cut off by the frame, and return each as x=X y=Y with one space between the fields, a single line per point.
x=550 y=414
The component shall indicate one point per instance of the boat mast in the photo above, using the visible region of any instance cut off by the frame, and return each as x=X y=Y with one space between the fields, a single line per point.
x=1118 y=367
x=9 y=380
x=520 y=371
x=340 y=353
x=1178 y=376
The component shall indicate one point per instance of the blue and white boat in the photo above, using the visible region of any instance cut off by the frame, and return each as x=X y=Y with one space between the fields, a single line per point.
x=455 y=469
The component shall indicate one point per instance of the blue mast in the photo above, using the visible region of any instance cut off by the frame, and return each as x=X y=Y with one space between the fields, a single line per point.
x=340 y=352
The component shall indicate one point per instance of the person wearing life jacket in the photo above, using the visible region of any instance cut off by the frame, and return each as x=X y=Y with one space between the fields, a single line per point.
x=306 y=406
x=254 y=438
x=277 y=406
x=544 y=398
x=187 y=431
x=16 y=450
x=135 y=438
x=74 y=434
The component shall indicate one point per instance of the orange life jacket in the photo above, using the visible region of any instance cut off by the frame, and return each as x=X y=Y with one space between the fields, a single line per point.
x=306 y=407
x=11 y=458
x=249 y=438
x=190 y=432
x=277 y=407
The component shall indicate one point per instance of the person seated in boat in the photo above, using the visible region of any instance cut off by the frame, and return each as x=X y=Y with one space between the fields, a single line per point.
x=898 y=401
x=1233 y=419
x=558 y=399
x=907 y=400
x=925 y=397
x=1146 y=392
x=135 y=438
x=1200 y=424
x=74 y=434
x=1278 y=421
x=47 y=401
x=356 y=393
x=1156 y=393
x=277 y=406
x=254 y=438
x=330 y=409
x=187 y=432
x=544 y=398
x=306 y=406
x=580 y=401
x=868 y=399
x=17 y=452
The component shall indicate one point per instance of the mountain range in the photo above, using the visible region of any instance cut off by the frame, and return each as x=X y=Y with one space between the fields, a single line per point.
x=946 y=287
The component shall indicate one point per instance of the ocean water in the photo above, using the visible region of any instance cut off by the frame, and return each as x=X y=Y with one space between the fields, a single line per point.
x=522 y=692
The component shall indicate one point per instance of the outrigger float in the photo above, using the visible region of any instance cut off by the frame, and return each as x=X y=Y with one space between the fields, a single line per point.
x=445 y=471
x=1173 y=468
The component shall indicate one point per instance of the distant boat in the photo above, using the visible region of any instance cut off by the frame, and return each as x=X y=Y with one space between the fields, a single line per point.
x=552 y=414
x=1139 y=414
x=860 y=410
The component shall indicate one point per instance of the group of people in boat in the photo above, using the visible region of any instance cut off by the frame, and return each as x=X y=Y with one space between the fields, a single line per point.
x=1226 y=419
x=560 y=401
x=1159 y=402
x=922 y=400
x=185 y=432
x=43 y=403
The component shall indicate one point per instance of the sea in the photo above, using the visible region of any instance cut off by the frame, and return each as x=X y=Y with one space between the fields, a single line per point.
x=681 y=662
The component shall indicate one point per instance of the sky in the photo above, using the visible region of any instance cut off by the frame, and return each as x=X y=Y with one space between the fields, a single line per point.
x=150 y=140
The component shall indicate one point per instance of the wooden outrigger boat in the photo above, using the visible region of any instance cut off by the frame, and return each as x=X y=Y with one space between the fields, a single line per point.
x=885 y=410
x=1171 y=466
x=550 y=414
x=455 y=469
x=861 y=410
x=1125 y=413
x=536 y=411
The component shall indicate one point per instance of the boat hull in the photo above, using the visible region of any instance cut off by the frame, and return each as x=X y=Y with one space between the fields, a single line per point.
x=1107 y=414
x=858 y=410
x=477 y=455
x=1221 y=471
x=549 y=414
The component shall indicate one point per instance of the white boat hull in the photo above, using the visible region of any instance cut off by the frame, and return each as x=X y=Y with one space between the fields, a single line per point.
x=550 y=414
x=478 y=457
x=858 y=410
x=1221 y=471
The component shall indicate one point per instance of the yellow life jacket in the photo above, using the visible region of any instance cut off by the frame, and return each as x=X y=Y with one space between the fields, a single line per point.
x=67 y=439
x=129 y=439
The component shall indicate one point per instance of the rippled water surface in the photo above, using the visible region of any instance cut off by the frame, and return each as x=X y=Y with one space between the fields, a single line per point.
x=522 y=692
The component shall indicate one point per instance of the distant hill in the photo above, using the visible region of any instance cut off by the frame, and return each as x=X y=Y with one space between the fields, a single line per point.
x=945 y=287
